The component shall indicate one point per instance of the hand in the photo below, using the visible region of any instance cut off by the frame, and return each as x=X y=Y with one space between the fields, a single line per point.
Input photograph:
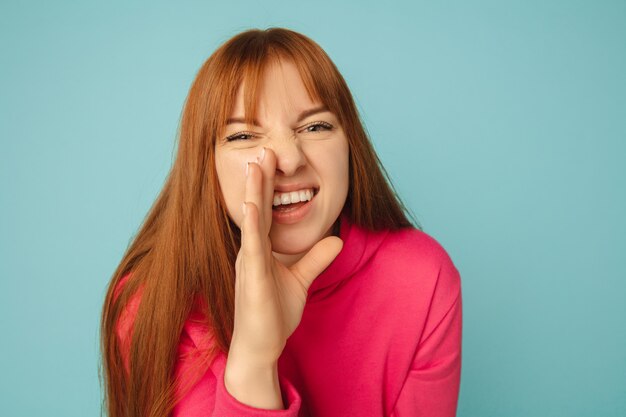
x=269 y=297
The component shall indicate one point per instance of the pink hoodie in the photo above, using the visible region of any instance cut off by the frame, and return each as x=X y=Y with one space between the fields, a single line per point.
x=380 y=336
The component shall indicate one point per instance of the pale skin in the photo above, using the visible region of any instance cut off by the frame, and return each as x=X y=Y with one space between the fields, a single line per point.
x=277 y=263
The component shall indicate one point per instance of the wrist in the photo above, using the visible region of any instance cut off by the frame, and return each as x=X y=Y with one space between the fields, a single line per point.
x=259 y=358
x=253 y=384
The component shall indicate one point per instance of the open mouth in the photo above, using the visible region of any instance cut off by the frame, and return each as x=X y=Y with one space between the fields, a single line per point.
x=285 y=202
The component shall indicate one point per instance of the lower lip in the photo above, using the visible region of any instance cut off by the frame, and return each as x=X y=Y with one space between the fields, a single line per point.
x=292 y=216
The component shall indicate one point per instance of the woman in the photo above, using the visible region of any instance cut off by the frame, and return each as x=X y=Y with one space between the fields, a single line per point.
x=277 y=273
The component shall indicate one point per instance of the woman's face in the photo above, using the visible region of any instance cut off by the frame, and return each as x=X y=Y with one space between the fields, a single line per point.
x=311 y=155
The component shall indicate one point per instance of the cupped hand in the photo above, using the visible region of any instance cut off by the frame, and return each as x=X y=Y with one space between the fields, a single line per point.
x=269 y=296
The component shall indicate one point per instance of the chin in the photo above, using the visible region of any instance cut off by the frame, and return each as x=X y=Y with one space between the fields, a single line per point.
x=291 y=245
x=291 y=241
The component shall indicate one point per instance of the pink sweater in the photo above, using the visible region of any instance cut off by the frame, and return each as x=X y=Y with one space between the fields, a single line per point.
x=380 y=336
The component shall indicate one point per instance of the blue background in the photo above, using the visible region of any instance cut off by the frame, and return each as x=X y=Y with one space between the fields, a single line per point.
x=502 y=124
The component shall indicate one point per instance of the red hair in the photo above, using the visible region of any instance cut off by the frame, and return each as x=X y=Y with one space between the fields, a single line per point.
x=182 y=259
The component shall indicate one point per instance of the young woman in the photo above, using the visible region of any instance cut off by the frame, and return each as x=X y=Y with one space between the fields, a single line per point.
x=277 y=274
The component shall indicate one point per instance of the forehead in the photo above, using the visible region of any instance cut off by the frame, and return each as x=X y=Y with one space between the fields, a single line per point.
x=280 y=89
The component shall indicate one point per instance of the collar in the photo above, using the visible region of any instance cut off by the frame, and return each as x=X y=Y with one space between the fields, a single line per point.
x=359 y=245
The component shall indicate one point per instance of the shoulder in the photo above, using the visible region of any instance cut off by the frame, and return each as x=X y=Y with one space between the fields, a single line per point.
x=413 y=258
x=414 y=242
x=130 y=308
x=126 y=319
x=195 y=335
x=414 y=249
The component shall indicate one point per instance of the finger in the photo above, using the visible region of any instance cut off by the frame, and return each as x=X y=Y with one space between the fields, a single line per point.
x=317 y=259
x=267 y=162
x=253 y=192
x=251 y=240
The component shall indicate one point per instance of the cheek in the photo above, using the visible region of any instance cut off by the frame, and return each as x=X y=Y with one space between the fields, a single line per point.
x=231 y=178
x=337 y=168
x=330 y=160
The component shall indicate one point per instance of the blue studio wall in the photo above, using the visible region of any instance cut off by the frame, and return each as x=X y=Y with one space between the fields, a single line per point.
x=501 y=123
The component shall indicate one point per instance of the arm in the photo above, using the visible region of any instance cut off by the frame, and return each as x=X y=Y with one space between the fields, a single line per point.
x=269 y=302
x=205 y=395
x=432 y=384
x=227 y=404
x=209 y=396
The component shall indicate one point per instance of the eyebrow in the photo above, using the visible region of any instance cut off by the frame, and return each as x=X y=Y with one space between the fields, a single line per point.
x=301 y=117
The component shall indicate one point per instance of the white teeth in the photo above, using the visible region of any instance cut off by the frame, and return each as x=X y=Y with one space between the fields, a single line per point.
x=292 y=197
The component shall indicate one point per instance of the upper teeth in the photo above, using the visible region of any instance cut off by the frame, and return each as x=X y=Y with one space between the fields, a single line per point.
x=292 y=197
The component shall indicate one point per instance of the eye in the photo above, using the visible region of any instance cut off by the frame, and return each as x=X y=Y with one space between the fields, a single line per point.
x=239 y=136
x=317 y=126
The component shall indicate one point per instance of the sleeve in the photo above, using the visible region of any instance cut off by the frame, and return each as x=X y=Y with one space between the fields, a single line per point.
x=207 y=396
x=431 y=387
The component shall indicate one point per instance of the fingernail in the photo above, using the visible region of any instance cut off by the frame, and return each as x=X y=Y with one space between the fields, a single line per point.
x=260 y=158
x=247 y=168
x=243 y=208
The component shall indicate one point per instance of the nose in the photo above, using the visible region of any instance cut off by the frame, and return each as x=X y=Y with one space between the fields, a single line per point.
x=289 y=155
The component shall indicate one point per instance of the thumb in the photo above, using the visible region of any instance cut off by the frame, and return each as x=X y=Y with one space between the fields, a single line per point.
x=317 y=259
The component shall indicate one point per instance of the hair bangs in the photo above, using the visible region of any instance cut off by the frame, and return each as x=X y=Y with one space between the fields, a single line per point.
x=248 y=64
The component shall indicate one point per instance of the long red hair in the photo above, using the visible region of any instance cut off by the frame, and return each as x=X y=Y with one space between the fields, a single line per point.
x=186 y=247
